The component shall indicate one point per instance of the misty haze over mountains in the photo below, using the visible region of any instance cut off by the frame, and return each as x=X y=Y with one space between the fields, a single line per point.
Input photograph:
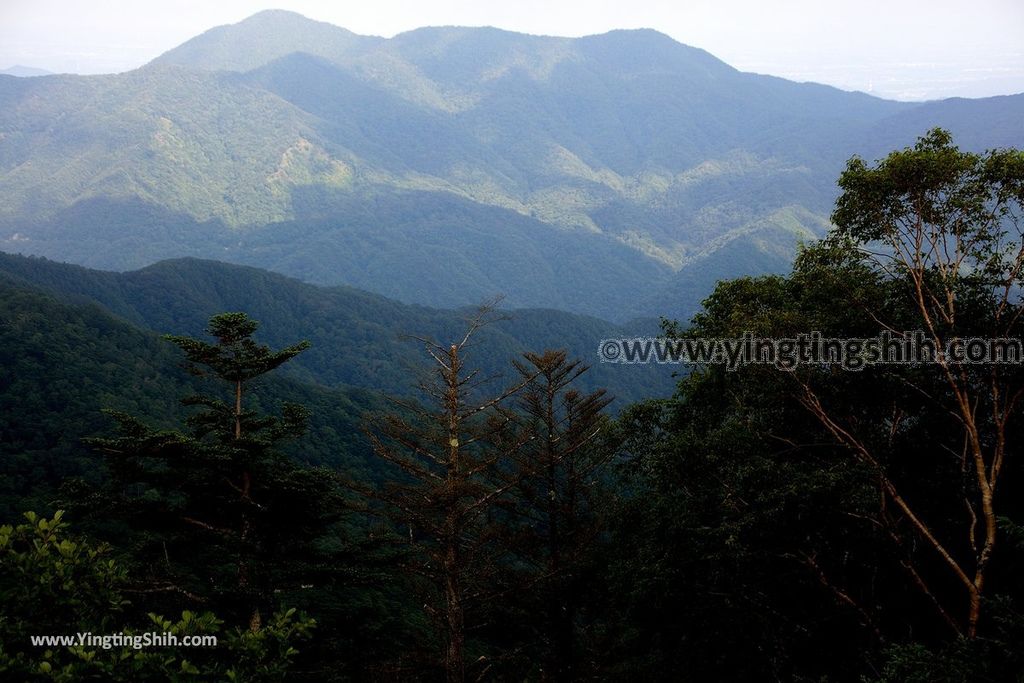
x=617 y=175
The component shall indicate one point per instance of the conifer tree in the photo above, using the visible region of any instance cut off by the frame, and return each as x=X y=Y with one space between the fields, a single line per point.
x=225 y=516
x=455 y=455
x=557 y=496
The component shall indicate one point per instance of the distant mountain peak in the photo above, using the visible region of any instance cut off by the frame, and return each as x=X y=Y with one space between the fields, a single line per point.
x=271 y=34
x=635 y=47
x=642 y=31
x=277 y=14
x=22 y=71
x=277 y=18
x=448 y=163
x=262 y=38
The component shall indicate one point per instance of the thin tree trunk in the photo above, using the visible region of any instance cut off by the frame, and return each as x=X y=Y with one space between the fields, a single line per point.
x=244 y=570
x=454 y=610
x=454 y=616
x=238 y=409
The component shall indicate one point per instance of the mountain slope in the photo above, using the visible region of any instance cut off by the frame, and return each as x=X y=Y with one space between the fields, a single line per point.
x=359 y=339
x=75 y=341
x=62 y=362
x=261 y=38
x=599 y=174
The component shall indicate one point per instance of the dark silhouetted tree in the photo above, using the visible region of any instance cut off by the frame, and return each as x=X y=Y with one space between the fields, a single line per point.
x=558 y=495
x=454 y=455
x=224 y=516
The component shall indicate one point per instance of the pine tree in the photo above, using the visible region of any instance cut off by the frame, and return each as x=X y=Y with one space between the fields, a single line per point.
x=454 y=452
x=558 y=495
x=224 y=516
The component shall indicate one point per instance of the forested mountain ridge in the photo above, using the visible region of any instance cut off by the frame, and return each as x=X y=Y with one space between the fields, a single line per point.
x=77 y=341
x=64 y=362
x=358 y=339
x=22 y=71
x=446 y=164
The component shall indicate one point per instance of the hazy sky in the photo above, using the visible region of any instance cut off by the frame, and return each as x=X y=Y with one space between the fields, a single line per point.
x=905 y=49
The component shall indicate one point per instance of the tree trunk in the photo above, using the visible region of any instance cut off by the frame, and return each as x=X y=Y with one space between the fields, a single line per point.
x=238 y=409
x=454 y=660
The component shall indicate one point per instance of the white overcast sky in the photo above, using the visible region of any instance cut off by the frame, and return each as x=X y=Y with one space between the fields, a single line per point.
x=904 y=49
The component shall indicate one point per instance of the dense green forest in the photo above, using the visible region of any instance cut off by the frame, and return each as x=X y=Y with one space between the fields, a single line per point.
x=811 y=523
x=74 y=339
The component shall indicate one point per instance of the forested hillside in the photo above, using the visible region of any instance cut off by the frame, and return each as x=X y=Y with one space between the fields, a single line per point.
x=77 y=341
x=358 y=339
x=64 y=363
x=446 y=164
x=473 y=355
x=790 y=522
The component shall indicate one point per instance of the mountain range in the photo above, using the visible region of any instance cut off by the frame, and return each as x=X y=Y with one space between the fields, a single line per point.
x=23 y=71
x=617 y=175
x=359 y=340
x=74 y=341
